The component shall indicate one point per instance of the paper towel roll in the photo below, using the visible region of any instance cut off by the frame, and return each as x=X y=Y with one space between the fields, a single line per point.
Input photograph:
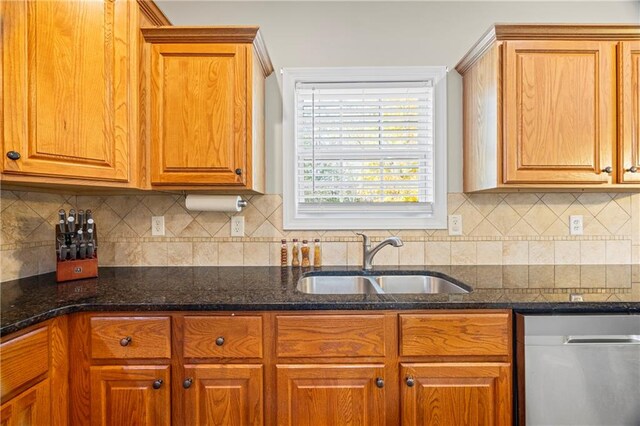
x=214 y=203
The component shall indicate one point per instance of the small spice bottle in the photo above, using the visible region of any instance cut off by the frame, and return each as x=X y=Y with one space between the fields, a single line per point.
x=305 y=254
x=317 y=254
x=295 y=254
x=284 y=254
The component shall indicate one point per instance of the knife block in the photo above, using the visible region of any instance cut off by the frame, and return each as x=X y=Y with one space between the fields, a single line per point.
x=69 y=270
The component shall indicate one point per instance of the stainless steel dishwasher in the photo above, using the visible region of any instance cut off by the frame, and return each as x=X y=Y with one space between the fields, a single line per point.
x=579 y=370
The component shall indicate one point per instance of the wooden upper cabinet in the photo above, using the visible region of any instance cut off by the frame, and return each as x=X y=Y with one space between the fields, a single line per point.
x=66 y=89
x=629 y=111
x=471 y=394
x=207 y=107
x=223 y=395
x=559 y=111
x=542 y=105
x=130 y=395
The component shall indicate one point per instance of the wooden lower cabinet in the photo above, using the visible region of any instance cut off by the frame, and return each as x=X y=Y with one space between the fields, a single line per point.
x=31 y=407
x=224 y=394
x=130 y=395
x=330 y=395
x=473 y=394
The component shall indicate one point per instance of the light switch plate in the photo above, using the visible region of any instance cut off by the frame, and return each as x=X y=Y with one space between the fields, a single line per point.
x=576 y=225
x=237 y=226
x=455 y=224
x=157 y=226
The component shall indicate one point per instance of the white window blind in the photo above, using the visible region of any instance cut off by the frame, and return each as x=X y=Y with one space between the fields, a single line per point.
x=364 y=148
x=364 y=143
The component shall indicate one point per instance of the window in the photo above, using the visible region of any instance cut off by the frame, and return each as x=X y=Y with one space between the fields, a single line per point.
x=364 y=148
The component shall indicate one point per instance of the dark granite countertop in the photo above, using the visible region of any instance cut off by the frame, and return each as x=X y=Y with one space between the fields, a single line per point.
x=543 y=288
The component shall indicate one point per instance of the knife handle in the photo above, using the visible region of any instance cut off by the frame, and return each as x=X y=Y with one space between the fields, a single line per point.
x=63 y=252
x=62 y=219
x=71 y=223
x=73 y=251
x=80 y=219
x=90 y=249
x=83 y=250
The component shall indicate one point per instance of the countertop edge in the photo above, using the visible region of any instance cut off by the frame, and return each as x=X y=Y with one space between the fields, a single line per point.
x=552 y=308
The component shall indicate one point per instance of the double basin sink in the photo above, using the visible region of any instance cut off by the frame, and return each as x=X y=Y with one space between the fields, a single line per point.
x=378 y=283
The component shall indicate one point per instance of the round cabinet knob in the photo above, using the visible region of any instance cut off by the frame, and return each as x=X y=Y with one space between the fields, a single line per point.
x=410 y=382
x=607 y=169
x=380 y=382
x=158 y=384
x=238 y=172
x=125 y=341
x=220 y=341
x=633 y=169
x=187 y=383
x=13 y=155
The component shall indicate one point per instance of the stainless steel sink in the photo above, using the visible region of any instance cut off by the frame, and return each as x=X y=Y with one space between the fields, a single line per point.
x=332 y=284
x=378 y=284
x=417 y=284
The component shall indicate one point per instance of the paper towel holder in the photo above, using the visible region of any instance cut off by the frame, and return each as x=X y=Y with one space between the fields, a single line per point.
x=216 y=203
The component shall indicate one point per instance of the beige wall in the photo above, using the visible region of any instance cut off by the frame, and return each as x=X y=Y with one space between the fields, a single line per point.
x=338 y=33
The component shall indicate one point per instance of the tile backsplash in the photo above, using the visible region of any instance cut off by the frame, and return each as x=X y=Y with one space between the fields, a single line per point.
x=507 y=229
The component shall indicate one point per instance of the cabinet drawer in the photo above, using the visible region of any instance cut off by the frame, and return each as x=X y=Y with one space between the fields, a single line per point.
x=130 y=337
x=223 y=337
x=314 y=336
x=454 y=334
x=23 y=359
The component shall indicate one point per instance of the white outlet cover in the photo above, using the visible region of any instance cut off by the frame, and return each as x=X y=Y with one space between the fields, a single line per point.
x=455 y=224
x=157 y=226
x=237 y=226
x=576 y=225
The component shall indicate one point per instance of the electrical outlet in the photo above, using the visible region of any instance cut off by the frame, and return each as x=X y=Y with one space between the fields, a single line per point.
x=237 y=226
x=157 y=226
x=576 y=225
x=455 y=224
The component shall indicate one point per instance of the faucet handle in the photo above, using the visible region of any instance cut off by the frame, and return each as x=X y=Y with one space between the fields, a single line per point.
x=364 y=237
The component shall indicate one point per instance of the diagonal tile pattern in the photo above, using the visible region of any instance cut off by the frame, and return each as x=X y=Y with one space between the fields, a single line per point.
x=526 y=228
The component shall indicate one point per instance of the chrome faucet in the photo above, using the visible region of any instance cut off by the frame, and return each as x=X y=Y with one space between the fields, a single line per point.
x=368 y=253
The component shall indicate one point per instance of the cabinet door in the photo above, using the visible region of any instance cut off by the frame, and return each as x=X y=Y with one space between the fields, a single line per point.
x=330 y=395
x=65 y=88
x=223 y=395
x=130 y=395
x=31 y=407
x=198 y=114
x=559 y=111
x=473 y=394
x=629 y=111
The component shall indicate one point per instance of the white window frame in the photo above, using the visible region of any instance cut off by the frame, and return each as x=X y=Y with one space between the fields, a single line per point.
x=295 y=219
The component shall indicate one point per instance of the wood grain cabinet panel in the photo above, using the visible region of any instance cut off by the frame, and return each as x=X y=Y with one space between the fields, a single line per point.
x=207 y=107
x=199 y=94
x=469 y=334
x=130 y=395
x=560 y=114
x=66 y=84
x=23 y=359
x=223 y=395
x=30 y=408
x=474 y=394
x=552 y=107
x=223 y=337
x=629 y=111
x=130 y=337
x=309 y=395
x=324 y=336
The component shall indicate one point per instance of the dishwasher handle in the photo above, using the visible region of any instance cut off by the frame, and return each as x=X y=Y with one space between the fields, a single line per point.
x=603 y=340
